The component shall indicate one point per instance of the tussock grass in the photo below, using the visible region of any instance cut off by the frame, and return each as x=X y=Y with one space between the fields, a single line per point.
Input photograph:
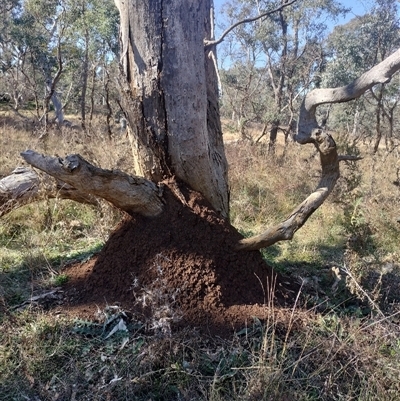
x=317 y=357
x=345 y=346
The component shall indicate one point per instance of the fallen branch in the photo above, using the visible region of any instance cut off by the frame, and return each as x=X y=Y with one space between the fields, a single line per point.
x=128 y=193
x=25 y=185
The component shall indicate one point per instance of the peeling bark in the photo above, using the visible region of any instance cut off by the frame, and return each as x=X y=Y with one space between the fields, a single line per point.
x=128 y=193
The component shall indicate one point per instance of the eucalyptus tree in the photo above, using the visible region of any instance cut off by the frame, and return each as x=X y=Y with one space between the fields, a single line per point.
x=35 y=32
x=94 y=34
x=288 y=47
x=354 y=47
x=169 y=92
x=13 y=57
x=49 y=47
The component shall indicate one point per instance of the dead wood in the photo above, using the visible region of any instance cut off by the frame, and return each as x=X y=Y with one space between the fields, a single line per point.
x=129 y=193
x=25 y=185
x=309 y=131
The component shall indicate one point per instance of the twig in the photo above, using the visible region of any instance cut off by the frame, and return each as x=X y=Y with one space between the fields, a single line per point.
x=349 y=158
x=209 y=43
x=347 y=271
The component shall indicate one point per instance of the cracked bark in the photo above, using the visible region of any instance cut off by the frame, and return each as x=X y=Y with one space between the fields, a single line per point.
x=170 y=95
x=129 y=193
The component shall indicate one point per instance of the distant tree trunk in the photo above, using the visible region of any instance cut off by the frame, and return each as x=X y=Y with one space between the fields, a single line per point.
x=378 y=126
x=108 y=105
x=169 y=93
x=389 y=135
x=51 y=94
x=356 y=122
x=85 y=72
x=273 y=134
x=92 y=93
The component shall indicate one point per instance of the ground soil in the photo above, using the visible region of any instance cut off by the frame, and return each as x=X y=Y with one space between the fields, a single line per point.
x=180 y=268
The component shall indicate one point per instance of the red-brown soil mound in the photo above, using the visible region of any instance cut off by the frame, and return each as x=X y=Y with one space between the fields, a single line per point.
x=180 y=266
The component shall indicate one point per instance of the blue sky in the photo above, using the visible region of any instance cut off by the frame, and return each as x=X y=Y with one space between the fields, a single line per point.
x=358 y=7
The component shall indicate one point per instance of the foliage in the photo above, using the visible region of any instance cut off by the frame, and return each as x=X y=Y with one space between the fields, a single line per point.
x=48 y=49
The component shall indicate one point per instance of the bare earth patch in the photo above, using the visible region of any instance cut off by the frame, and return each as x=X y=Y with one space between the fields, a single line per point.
x=185 y=262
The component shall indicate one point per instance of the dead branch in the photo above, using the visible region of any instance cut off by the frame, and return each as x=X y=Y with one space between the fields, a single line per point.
x=25 y=185
x=209 y=43
x=330 y=174
x=129 y=193
x=380 y=74
x=349 y=158
x=309 y=131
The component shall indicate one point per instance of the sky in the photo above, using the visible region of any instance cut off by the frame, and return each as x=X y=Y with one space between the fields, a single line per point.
x=358 y=8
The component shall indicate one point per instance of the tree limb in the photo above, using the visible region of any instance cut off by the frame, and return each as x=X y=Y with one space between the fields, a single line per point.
x=25 y=185
x=309 y=131
x=129 y=193
x=350 y=158
x=209 y=43
x=286 y=229
x=380 y=74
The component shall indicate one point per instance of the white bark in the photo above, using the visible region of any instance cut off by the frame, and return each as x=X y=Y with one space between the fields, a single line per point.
x=380 y=74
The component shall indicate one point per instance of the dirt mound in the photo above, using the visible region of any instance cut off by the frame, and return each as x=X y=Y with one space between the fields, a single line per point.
x=180 y=267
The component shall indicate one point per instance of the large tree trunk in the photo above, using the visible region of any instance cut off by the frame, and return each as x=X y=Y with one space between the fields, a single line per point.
x=170 y=94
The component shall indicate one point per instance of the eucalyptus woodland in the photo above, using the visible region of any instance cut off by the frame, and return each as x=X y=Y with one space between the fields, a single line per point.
x=48 y=50
x=283 y=55
x=352 y=48
x=169 y=92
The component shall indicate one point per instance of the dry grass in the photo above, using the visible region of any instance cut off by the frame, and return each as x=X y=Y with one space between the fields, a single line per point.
x=343 y=347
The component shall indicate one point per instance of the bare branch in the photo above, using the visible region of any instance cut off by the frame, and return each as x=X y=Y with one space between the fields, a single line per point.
x=310 y=132
x=128 y=193
x=209 y=43
x=25 y=185
x=342 y=158
x=380 y=74
x=286 y=229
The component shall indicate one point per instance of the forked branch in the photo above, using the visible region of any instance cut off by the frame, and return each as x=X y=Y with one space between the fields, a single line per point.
x=309 y=131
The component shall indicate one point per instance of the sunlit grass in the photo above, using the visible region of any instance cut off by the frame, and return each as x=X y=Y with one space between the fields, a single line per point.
x=341 y=349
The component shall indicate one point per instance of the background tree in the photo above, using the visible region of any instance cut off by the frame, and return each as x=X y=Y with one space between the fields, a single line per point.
x=50 y=49
x=352 y=48
x=286 y=48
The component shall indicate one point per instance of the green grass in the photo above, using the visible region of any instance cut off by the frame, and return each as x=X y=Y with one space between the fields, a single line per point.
x=343 y=346
x=321 y=357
